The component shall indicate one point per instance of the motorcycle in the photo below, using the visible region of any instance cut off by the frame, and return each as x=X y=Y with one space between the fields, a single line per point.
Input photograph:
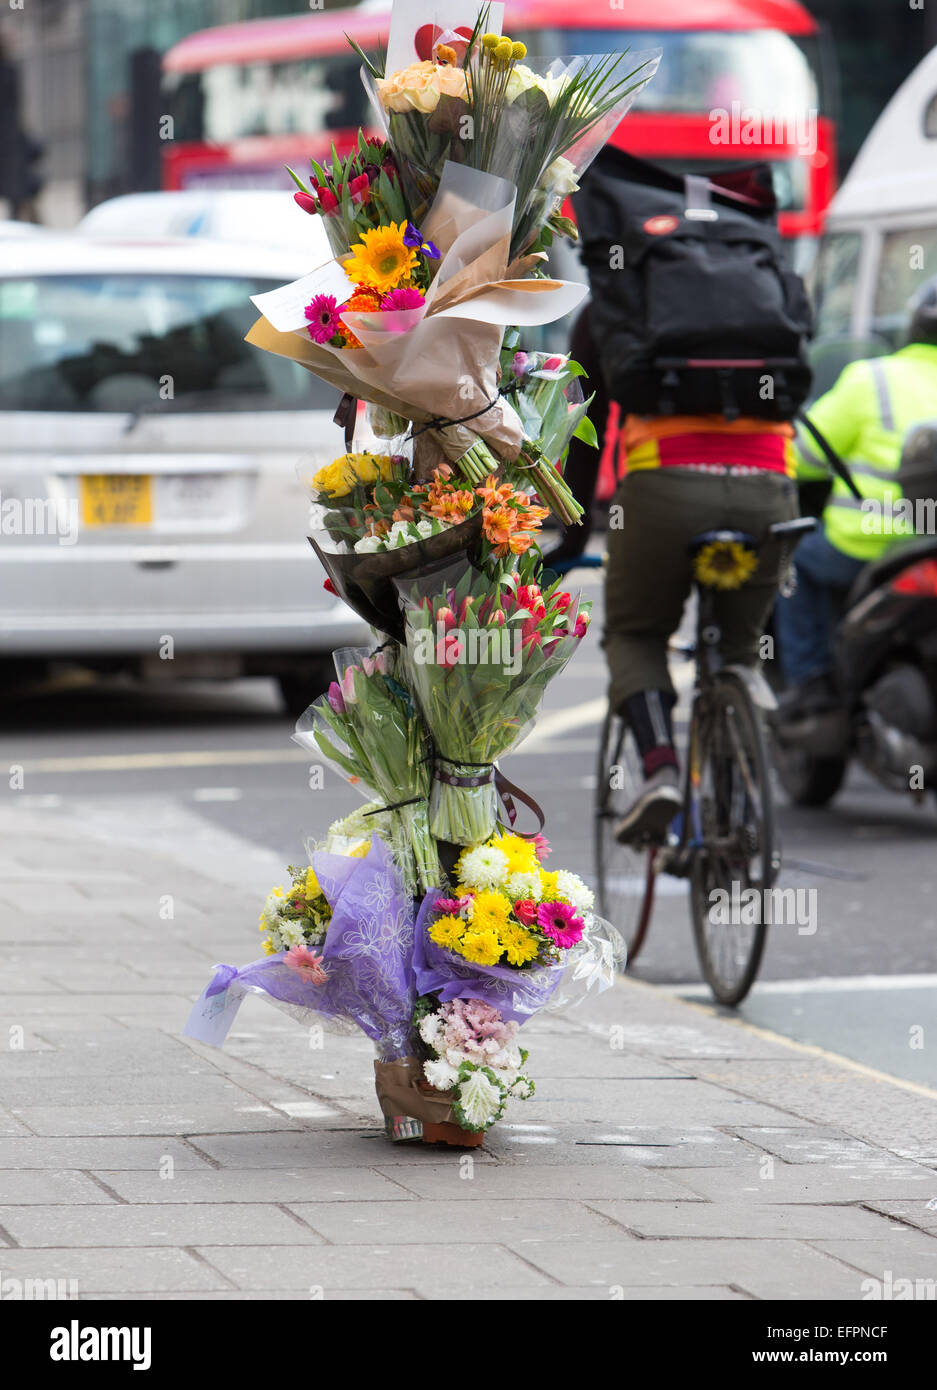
x=885 y=648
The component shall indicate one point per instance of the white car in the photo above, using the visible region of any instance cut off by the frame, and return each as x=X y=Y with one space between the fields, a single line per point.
x=151 y=516
x=263 y=216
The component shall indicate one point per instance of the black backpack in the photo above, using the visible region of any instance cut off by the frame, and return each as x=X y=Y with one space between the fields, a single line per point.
x=693 y=304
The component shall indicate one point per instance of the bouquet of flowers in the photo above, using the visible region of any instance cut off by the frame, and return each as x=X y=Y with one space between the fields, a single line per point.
x=478 y=660
x=470 y=1052
x=368 y=728
x=476 y=102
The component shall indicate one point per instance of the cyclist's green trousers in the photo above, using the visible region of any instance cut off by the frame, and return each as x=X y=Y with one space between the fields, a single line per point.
x=655 y=514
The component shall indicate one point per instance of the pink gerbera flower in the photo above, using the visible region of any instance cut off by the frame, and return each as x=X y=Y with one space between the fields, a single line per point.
x=324 y=322
x=306 y=963
x=559 y=921
x=403 y=299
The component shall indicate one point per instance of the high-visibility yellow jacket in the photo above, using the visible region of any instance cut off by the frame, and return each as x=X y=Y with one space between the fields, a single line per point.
x=865 y=417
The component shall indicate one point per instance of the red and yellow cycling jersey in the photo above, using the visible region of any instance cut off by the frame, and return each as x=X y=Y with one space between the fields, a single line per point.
x=706 y=441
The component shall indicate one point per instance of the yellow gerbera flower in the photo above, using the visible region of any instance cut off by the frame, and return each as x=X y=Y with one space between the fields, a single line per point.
x=725 y=564
x=447 y=932
x=519 y=946
x=521 y=855
x=381 y=259
x=481 y=947
x=490 y=911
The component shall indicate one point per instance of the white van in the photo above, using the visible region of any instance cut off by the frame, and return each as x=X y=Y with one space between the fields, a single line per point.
x=880 y=241
x=151 y=517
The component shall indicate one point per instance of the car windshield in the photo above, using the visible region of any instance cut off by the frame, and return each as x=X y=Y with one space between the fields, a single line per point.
x=142 y=343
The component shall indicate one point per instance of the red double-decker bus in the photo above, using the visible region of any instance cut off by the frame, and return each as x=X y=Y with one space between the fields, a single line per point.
x=739 y=80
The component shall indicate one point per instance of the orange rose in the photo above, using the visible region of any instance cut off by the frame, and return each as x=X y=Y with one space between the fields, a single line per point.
x=419 y=87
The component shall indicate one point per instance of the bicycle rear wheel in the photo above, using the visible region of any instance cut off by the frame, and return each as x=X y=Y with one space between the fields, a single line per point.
x=624 y=875
x=735 y=827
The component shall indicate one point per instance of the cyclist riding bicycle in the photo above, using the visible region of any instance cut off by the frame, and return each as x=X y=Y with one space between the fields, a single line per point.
x=702 y=329
x=684 y=475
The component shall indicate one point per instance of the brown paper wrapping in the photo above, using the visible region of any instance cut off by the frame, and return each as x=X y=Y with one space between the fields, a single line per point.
x=444 y=368
x=398 y=1093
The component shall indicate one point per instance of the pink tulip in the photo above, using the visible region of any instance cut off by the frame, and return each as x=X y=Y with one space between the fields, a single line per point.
x=335 y=698
x=348 y=685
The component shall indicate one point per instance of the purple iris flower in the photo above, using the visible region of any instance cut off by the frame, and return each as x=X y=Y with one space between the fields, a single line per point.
x=414 y=237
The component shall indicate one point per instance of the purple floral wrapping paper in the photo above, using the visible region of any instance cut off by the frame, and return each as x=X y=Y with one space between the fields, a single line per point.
x=367 y=955
x=517 y=994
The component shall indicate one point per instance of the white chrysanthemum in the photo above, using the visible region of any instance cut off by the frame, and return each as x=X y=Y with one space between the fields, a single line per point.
x=275 y=941
x=440 y=1075
x=480 y=1100
x=484 y=868
x=429 y=1027
x=291 y=933
x=572 y=887
x=524 y=886
x=270 y=912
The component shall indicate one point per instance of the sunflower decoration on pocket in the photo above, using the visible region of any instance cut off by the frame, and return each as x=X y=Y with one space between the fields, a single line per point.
x=725 y=564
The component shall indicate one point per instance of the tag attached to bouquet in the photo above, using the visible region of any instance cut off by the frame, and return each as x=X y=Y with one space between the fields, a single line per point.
x=415 y=27
x=285 y=308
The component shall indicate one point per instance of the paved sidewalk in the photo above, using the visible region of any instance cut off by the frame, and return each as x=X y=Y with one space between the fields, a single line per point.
x=669 y=1153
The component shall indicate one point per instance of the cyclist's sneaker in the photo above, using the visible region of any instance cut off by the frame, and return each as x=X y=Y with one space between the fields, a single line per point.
x=652 y=811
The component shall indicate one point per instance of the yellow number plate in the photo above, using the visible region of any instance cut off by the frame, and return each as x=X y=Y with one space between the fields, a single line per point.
x=116 y=499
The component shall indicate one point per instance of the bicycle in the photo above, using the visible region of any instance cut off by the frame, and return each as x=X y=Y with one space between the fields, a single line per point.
x=724 y=840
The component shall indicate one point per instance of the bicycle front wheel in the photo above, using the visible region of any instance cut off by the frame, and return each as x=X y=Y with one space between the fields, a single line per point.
x=624 y=875
x=734 y=865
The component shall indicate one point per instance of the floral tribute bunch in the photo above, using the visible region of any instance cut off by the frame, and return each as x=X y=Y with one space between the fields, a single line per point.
x=427 y=918
x=471 y=1052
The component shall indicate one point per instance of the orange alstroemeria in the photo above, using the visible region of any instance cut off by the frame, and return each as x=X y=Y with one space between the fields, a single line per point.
x=492 y=495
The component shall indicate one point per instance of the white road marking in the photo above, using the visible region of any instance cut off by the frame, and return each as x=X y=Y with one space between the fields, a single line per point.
x=821 y=984
x=549 y=726
x=216 y=794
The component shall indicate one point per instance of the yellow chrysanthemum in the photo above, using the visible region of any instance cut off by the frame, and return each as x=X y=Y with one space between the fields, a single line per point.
x=725 y=564
x=490 y=911
x=447 y=932
x=381 y=259
x=481 y=947
x=519 y=946
x=521 y=855
x=312 y=884
x=548 y=879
